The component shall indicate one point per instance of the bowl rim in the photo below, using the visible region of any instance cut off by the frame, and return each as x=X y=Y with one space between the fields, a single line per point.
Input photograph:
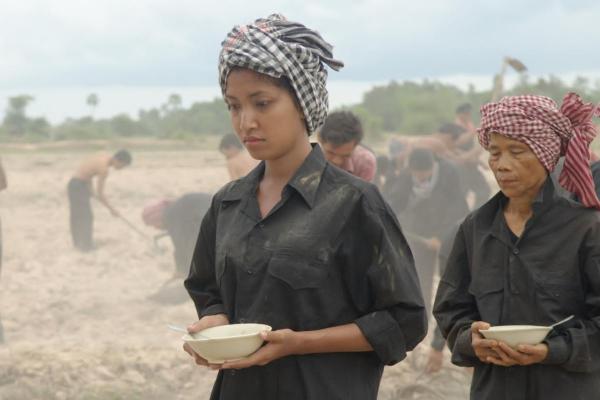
x=189 y=338
x=515 y=328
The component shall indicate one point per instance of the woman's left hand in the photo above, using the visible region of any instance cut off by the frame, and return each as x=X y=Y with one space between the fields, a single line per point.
x=280 y=343
x=523 y=355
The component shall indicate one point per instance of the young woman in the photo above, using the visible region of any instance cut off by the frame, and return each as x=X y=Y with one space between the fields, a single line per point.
x=529 y=256
x=299 y=244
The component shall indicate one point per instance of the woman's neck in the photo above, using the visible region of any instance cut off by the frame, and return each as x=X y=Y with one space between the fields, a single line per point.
x=281 y=170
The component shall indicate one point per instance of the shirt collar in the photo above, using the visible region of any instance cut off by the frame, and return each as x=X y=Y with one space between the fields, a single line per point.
x=308 y=177
x=492 y=211
x=305 y=181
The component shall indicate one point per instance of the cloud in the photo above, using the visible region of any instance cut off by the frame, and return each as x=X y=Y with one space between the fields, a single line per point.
x=160 y=42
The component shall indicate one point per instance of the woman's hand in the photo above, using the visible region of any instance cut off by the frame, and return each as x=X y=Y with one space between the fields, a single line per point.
x=205 y=322
x=484 y=348
x=523 y=355
x=280 y=343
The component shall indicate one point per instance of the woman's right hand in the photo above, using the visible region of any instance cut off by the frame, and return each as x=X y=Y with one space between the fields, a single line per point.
x=205 y=322
x=484 y=348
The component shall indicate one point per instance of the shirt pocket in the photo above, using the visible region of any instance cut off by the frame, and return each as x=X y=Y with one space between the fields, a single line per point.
x=557 y=299
x=300 y=296
x=488 y=290
x=297 y=273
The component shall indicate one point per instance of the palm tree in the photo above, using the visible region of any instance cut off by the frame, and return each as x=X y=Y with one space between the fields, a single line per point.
x=92 y=101
x=15 y=120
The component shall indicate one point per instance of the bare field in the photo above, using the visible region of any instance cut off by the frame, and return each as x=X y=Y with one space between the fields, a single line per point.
x=86 y=326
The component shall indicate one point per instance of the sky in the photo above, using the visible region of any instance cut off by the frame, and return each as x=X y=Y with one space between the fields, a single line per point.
x=128 y=47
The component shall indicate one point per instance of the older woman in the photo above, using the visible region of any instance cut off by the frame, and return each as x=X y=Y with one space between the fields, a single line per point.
x=298 y=243
x=529 y=256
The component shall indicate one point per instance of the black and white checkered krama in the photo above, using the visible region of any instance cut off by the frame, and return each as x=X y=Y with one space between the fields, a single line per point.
x=277 y=47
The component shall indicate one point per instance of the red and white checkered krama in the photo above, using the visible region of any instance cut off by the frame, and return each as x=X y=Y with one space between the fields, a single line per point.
x=550 y=132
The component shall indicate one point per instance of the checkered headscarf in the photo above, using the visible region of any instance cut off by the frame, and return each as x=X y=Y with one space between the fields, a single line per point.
x=277 y=47
x=550 y=132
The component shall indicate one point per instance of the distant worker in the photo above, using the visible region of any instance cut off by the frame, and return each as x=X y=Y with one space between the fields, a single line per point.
x=181 y=219
x=340 y=138
x=80 y=190
x=239 y=162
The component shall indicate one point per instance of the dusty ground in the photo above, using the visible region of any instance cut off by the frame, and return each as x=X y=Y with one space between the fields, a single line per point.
x=82 y=326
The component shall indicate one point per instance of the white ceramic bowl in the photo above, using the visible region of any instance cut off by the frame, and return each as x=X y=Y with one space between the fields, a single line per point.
x=514 y=335
x=227 y=342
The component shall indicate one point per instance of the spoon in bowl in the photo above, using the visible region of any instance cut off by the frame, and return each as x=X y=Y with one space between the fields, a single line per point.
x=183 y=330
x=570 y=317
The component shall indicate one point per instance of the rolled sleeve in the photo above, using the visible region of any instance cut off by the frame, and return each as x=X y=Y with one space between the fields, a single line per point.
x=383 y=282
x=461 y=344
x=385 y=336
x=212 y=310
x=558 y=351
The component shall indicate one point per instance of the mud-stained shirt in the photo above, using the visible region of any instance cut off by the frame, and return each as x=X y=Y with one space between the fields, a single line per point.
x=331 y=252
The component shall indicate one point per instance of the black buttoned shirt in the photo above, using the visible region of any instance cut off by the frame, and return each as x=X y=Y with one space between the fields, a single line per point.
x=548 y=273
x=329 y=253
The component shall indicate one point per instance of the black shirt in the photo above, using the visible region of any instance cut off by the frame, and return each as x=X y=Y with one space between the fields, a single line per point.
x=435 y=215
x=551 y=271
x=330 y=253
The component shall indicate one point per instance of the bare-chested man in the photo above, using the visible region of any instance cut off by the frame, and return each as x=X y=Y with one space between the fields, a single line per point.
x=80 y=189
x=239 y=162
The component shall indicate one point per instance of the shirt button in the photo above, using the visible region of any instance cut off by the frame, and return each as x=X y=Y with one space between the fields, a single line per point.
x=249 y=272
x=515 y=251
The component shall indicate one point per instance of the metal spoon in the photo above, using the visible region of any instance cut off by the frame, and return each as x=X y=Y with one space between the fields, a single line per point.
x=183 y=330
x=570 y=317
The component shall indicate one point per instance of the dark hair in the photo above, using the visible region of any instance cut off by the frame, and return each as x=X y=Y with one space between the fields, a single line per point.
x=464 y=108
x=452 y=129
x=230 y=140
x=420 y=159
x=123 y=156
x=341 y=127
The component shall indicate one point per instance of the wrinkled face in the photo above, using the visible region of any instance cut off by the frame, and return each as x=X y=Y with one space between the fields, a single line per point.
x=516 y=168
x=264 y=115
x=338 y=155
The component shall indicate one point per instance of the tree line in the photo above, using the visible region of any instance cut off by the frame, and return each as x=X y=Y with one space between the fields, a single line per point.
x=397 y=107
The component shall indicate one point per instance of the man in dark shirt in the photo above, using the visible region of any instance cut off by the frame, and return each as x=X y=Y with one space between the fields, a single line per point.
x=529 y=257
x=428 y=200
